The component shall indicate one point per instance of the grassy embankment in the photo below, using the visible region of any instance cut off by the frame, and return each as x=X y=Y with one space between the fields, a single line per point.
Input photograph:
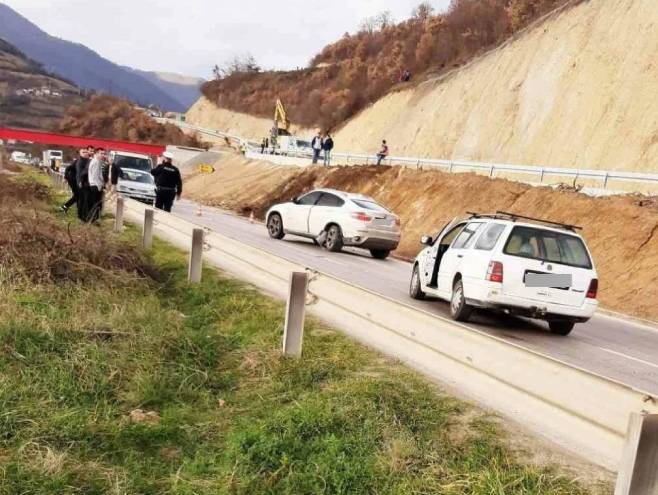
x=117 y=377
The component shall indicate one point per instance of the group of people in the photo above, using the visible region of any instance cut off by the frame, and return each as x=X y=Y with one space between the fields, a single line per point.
x=321 y=144
x=88 y=177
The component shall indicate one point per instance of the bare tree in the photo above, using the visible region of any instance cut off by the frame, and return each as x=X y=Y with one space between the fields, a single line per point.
x=422 y=11
x=235 y=65
x=384 y=19
x=376 y=23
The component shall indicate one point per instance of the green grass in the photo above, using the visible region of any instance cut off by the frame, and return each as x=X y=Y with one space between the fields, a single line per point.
x=234 y=416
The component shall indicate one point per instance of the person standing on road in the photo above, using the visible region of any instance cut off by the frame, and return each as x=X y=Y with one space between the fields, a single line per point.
x=316 y=144
x=263 y=145
x=327 y=146
x=383 y=152
x=71 y=180
x=96 y=186
x=82 y=179
x=168 y=182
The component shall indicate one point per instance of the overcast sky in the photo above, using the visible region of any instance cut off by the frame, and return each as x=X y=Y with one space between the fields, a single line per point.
x=190 y=36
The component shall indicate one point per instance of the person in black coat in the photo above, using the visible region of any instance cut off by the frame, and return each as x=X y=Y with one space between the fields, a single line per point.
x=82 y=181
x=327 y=146
x=168 y=182
x=70 y=175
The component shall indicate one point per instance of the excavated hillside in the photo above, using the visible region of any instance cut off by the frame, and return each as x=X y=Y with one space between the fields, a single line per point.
x=577 y=89
x=622 y=231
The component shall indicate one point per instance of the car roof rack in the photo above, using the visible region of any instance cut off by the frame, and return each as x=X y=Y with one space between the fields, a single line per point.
x=503 y=215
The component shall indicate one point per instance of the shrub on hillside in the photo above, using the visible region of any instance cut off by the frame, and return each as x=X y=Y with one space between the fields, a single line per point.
x=359 y=69
x=108 y=117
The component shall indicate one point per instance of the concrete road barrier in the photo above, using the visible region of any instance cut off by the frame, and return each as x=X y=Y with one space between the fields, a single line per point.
x=579 y=410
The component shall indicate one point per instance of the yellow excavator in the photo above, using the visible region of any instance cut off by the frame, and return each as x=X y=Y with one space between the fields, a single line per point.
x=281 y=124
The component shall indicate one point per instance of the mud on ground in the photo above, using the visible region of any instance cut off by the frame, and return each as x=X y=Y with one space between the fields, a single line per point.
x=622 y=231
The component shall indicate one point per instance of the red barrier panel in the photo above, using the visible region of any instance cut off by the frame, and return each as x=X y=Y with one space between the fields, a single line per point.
x=79 y=141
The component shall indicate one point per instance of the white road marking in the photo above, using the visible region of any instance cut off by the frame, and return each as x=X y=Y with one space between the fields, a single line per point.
x=647 y=363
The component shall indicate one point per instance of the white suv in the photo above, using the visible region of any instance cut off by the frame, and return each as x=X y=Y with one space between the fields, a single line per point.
x=506 y=262
x=334 y=219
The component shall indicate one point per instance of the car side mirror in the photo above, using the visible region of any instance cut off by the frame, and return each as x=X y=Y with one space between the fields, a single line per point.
x=295 y=200
x=426 y=240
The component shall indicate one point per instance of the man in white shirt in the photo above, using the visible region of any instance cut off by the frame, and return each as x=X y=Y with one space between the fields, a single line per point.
x=96 y=184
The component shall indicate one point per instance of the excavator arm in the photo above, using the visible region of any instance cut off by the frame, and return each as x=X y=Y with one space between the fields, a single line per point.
x=281 y=122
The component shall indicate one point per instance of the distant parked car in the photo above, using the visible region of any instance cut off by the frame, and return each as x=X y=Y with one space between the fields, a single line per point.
x=334 y=219
x=136 y=184
x=510 y=263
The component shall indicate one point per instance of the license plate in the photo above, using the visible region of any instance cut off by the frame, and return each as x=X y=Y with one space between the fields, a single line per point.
x=550 y=280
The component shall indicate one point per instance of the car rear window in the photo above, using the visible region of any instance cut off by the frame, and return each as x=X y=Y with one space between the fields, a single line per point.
x=369 y=205
x=547 y=245
x=330 y=200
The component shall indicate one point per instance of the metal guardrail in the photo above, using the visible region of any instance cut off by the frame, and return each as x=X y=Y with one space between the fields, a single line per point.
x=453 y=166
x=582 y=411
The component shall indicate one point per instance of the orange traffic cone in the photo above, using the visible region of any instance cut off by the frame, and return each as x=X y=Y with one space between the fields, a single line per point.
x=251 y=217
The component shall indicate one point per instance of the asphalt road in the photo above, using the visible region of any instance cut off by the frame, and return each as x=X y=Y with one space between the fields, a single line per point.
x=622 y=350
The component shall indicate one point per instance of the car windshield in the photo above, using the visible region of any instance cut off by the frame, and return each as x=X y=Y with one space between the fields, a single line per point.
x=369 y=205
x=133 y=162
x=136 y=176
x=547 y=245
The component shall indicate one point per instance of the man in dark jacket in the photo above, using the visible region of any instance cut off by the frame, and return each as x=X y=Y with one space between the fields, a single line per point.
x=168 y=182
x=327 y=146
x=82 y=181
x=70 y=175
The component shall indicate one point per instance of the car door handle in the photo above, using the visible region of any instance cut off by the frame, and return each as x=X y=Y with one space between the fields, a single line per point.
x=460 y=256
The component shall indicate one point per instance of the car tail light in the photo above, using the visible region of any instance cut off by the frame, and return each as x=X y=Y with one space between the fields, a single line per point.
x=495 y=272
x=593 y=289
x=362 y=217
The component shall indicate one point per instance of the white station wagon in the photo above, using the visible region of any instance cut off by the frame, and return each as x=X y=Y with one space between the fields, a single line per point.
x=506 y=262
x=334 y=219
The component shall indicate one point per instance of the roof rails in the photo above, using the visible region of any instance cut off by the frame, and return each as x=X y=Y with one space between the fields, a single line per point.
x=503 y=215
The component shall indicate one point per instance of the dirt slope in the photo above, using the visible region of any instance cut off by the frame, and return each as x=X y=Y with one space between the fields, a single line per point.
x=621 y=234
x=205 y=114
x=578 y=90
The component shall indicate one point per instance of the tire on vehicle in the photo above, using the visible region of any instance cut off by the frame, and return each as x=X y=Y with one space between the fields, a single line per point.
x=415 y=290
x=334 y=240
x=380 y=254
x=561 y=327
x=459 y=310
x=275 y=226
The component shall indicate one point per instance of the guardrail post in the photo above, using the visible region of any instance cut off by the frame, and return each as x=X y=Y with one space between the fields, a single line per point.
x=638 y=469
x=450 y=167
x=118 y=215
x=541 y=176
x=293 y=332
x=491 y=172
x=605 y=180
x=196 y=257
x=147 y=231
